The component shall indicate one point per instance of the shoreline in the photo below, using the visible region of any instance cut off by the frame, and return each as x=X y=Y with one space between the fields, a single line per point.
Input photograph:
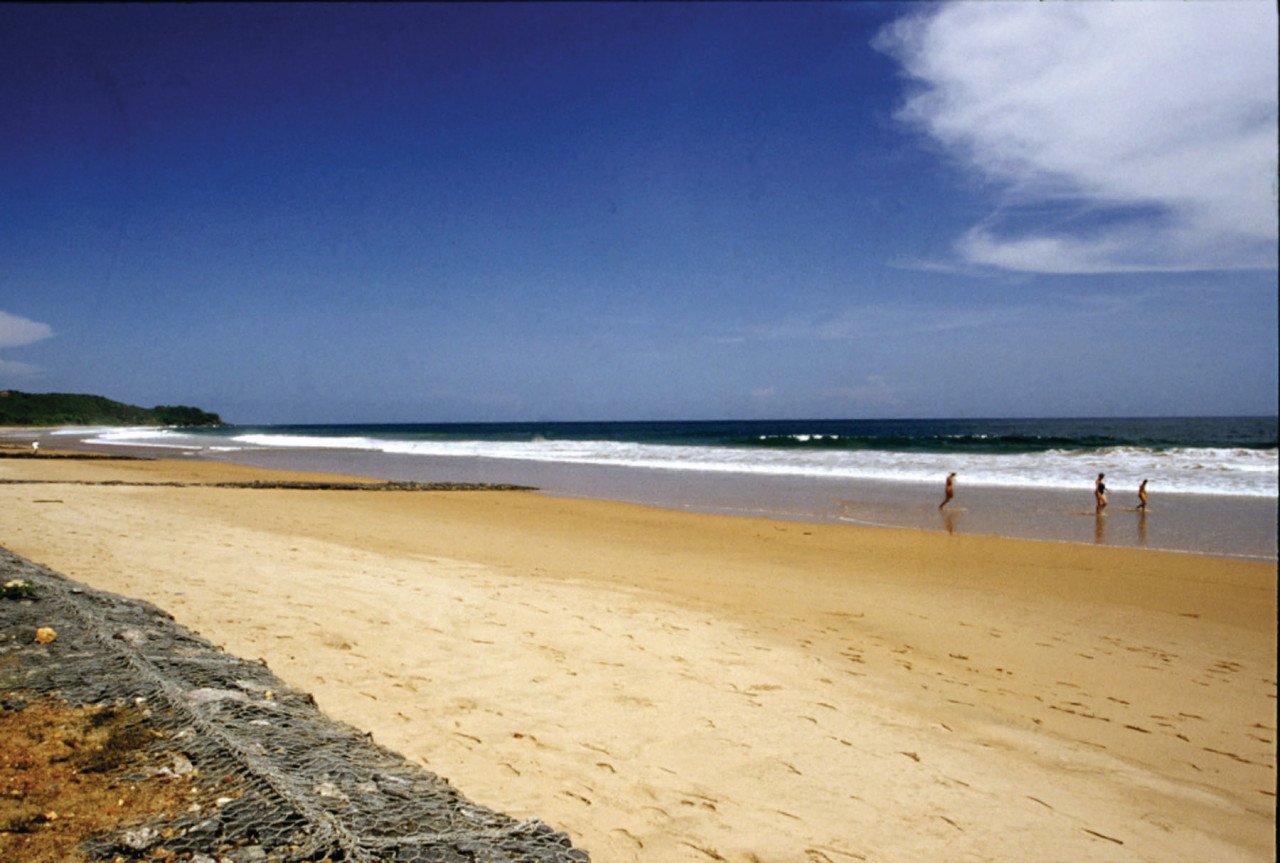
x=665 y=684
x=1210 y=525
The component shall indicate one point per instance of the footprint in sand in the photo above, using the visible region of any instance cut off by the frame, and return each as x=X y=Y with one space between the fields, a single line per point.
x=577 y=797
x=628 y=835
x=335 y=642
x=535 y=741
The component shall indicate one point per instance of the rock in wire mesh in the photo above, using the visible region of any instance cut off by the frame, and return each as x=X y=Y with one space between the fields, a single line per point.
x=296 y=786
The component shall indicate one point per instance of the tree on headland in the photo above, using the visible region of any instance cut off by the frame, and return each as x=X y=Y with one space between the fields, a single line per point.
x=66 y=409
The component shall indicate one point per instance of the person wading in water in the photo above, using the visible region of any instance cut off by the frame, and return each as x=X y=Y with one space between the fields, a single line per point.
x=950 y=490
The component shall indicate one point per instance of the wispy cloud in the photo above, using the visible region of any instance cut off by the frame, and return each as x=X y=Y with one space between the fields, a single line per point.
x=16 y=331
x=876 y=321
x=872 y=393
x=924 y=265
x=17 y=371
x=880 y=322
x=1150 y=129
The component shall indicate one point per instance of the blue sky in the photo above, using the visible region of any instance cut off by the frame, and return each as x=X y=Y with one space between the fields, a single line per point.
x=440 y=212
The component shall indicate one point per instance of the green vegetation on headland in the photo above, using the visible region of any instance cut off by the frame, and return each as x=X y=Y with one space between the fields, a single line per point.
x=72 y=409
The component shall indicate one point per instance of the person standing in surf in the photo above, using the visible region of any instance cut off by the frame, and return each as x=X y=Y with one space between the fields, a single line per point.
x=950 y=490
x=1142 y=496
x=1100 y=494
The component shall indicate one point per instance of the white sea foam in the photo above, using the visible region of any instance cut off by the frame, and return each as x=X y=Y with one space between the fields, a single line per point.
x=1223 y=471
x=148 y=437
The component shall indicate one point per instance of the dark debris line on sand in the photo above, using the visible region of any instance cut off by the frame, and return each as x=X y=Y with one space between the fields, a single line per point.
x=6 y=453
x=287 y=484
x=306 y=788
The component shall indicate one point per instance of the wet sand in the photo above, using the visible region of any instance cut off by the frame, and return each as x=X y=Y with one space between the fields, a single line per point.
x=687 y=686
x=1241 y=527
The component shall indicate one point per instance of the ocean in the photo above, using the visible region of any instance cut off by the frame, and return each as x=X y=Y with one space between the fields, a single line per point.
x=860 y=471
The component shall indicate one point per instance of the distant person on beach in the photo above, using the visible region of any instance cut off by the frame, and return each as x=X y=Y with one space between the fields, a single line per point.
x=950 y=490
x=35 y=447
x=1100 y=493
x=1142 y=496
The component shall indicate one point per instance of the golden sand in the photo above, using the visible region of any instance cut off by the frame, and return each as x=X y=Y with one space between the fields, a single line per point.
x=669 y=686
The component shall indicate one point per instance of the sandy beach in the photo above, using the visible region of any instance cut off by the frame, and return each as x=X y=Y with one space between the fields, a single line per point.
x=673 y=686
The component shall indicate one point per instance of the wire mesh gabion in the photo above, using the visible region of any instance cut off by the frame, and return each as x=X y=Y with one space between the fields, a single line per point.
x=307 y=788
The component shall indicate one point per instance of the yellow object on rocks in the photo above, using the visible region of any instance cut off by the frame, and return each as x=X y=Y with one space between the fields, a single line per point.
x=46 y=635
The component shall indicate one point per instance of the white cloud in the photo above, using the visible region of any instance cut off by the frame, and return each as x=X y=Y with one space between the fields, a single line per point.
x=1150 y=129
x=16 y=331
